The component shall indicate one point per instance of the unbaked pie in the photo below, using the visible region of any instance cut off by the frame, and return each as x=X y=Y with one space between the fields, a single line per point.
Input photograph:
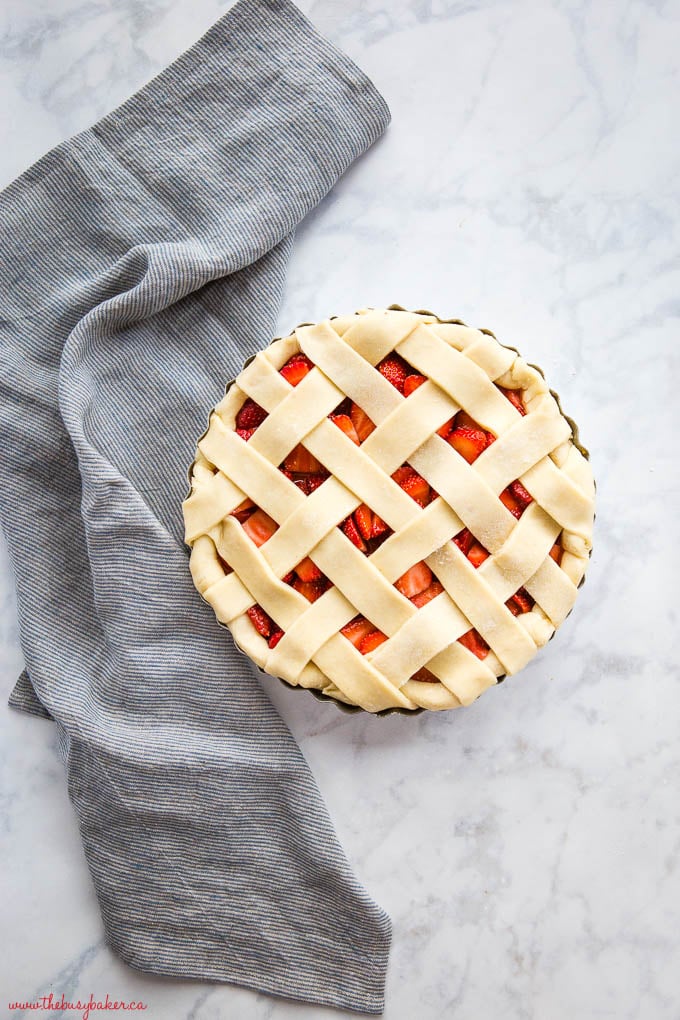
x=390 y=508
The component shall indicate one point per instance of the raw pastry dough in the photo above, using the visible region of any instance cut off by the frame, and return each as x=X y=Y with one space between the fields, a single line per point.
x=462 y=366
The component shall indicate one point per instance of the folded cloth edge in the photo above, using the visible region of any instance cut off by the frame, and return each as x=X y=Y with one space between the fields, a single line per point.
x=375 y=118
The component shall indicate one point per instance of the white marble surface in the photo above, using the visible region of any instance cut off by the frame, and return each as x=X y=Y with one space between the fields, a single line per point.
x=526 y=848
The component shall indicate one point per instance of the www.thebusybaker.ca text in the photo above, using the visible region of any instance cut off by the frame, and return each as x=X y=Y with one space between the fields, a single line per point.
x=91 y=1005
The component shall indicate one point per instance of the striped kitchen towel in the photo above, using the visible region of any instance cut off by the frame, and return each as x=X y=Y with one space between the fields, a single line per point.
x=143 y=261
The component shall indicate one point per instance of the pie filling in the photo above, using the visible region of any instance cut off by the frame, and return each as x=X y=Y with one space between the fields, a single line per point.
x=364 y=528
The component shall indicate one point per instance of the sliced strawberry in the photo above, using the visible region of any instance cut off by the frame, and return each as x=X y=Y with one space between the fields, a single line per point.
x=416 y=579
x=259 y=527
x=520 y=492
x=311 y=590
x=477 y=554
x=312 y=482
x=516 y=498
x=395 y=371
x=426 y=596
x=412 y=382
x=307 y=570
x=515 y=398
x=350 y=529
x=416 y=487
x=556 y=553
x=260 y=620
x=363 y=518
x=445 y=430
x=368 y=524
x=345 y=425
x=275 y=638
x=372 y=641
x=469 y=443
x=250 y=416
x=401 y=474
x=464 y=421
x=464 y=540
x=520 y=602
x=357 y=629
x=243 y=510
x=344 y=407
x=412 y=483
x=512 y=503
x=301 y=461
x=245 y=434
x=296 y=368
x=475 y=643
x=378 y=527
x=362 y=423
x=424 y=676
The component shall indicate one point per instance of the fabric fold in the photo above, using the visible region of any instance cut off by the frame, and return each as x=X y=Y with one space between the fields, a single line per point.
x=145 y=260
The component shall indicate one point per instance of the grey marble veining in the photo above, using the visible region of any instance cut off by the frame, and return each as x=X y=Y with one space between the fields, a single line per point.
x=527 y=848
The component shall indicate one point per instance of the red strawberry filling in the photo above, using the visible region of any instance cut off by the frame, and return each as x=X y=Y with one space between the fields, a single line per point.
x=521 y=602
x=474 y=643
x=469 y=443
x=372 y=641
x=516 y=498
x=415 y=580
x=300 y=461
x=259 y=526
x=431 y=592
x=260 y=621
x=395 y=370
x=474 y=550
x=412 y=483
x=477 y=554
x=307 y=570
x=464 y=540
x=308 y=483
x=296 y=368
x=515 y=398
x=243 y=510
x=425 y=676
x=250 y=416
x=312 y=590
x=346 y=425
x=364 y=528
x=363 y=426
x=411 y=383
x=350 y=529
x=556 y=553
x=357 y=629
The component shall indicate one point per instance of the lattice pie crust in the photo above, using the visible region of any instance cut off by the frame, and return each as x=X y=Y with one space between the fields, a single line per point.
x=462 y=366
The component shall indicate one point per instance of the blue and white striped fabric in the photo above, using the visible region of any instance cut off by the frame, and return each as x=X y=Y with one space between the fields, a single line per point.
x=143 y=261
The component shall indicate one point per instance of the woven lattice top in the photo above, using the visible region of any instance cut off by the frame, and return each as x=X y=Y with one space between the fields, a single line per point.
x=535 y=556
